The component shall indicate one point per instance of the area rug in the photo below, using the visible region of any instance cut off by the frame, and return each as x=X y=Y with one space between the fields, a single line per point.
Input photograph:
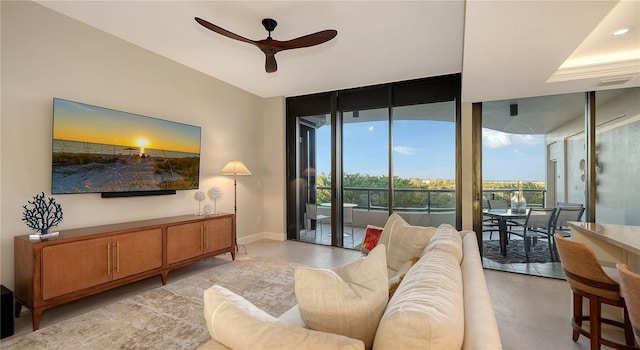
x=171 y=316
x=539 y=253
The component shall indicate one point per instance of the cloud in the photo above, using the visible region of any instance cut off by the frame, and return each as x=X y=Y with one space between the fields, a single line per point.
x=498 y=139
x=528 y=139
x=407 y=151
x=495 y=139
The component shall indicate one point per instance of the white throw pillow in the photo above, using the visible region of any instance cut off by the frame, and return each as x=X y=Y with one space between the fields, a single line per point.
x=403 y=241
x=238 y=324
x=347 y=300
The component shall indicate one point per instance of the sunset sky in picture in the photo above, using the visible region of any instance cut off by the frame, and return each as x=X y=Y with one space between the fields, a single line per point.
x=85 y=123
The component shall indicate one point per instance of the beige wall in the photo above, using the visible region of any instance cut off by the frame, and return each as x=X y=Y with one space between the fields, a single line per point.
x=46 y=55
x=273 y=155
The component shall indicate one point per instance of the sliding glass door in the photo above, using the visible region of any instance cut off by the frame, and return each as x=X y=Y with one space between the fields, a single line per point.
x=424 y=163
x=544 y=145
x=365 y=175
x=356 y=156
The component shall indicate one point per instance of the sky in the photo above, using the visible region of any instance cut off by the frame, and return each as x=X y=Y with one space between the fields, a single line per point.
x=426 y=150
x=81 y=122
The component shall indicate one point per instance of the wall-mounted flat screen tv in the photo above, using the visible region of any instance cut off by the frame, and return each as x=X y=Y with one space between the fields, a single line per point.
x=101 y=150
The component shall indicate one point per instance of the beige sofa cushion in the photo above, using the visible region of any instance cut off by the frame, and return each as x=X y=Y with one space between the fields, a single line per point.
x=235 y=322
x=347 y=300
x=482 y=329
x=403 y=241
x=427 y=310
x=446 y=238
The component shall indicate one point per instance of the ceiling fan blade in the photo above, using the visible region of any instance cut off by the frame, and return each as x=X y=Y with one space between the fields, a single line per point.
x=270 y=65
x=307 y=40
x=223 y=31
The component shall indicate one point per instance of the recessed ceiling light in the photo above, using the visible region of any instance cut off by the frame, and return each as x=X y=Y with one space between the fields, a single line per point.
x=620 y=31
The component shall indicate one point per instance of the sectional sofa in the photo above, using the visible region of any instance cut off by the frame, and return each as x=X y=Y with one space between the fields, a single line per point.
x=439 y=300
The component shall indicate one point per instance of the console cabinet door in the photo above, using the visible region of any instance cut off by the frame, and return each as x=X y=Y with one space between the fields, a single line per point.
x=136 y=252
x=184 y=241
x=74 y=266
x=218 y=234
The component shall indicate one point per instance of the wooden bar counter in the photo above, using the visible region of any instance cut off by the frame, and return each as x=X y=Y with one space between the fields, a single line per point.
x=611 y=243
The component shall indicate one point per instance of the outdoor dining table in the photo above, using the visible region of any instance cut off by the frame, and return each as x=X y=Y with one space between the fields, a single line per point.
x=504 y=215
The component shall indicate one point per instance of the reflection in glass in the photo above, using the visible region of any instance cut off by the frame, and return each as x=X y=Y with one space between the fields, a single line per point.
x=618 y=156
x=314 y=192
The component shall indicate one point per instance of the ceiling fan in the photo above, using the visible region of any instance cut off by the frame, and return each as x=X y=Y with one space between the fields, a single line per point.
x=271 y=46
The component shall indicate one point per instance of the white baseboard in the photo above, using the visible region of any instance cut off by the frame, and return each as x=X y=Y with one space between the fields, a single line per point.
x=262 y=235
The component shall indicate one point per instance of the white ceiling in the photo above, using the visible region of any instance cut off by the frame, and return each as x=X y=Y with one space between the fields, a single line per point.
x=504 y=49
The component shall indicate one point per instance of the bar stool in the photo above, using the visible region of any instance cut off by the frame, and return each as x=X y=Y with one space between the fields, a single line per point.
x=630 y=289
x=588 y=280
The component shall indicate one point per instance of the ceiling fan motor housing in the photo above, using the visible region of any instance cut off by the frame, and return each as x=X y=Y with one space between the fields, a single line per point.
x=269 y=24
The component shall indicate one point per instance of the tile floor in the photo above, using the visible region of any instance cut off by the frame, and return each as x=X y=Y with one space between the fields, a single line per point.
x=549 y=269
x=532 y=312
x=323 y=236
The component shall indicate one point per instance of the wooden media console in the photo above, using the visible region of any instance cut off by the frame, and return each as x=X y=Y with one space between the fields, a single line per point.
x=85 y=261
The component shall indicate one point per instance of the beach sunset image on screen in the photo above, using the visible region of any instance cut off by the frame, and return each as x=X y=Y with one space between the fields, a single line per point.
x=97 y=149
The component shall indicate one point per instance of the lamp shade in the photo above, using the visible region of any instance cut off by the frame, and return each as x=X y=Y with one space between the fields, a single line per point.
x=235 y=167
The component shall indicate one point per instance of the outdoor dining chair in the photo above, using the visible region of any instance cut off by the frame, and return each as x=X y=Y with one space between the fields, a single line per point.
x=491 y=224
x=347 y=218
x=312 y=214
x=537 y=225
x=560 y=219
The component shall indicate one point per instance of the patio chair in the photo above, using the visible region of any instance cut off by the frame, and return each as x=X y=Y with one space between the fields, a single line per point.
x=630 y=290
x=347 y=218
x=312 y=214
x=560 y=219
x=537 y=225
x=491 y=224
x=588 y=279
x=498 y=204
x=569 y=205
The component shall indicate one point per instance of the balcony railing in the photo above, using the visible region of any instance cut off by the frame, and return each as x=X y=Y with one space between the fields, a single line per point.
x=421 y=200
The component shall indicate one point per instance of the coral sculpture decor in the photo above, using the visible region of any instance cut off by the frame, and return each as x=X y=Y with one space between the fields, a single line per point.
x=215 y=194
x=199 y=196
x=41 y=214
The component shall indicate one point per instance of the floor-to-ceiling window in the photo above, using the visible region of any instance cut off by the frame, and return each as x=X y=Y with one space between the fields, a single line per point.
x=365 y=182
x=525 y=148
x=347 y=151
x=539 y=143
x=424 y=148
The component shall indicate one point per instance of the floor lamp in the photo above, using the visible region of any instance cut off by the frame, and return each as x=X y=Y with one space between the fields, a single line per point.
x=235 y=168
